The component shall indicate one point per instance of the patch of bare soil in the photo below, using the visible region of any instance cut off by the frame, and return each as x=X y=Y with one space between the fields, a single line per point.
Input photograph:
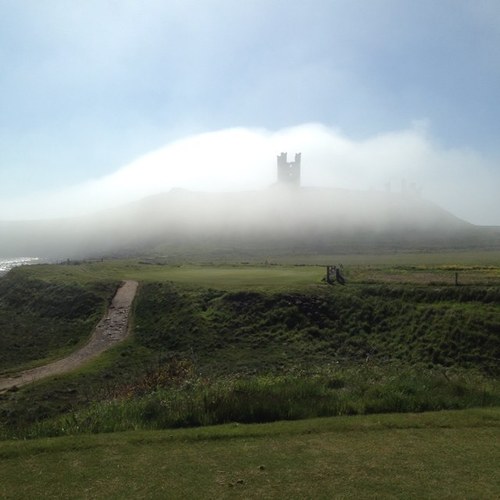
x=112 y=328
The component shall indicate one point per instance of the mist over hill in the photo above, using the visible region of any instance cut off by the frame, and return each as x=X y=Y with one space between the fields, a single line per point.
x=277 y=220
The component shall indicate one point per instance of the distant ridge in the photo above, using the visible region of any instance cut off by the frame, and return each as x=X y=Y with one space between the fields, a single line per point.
x=308 y=220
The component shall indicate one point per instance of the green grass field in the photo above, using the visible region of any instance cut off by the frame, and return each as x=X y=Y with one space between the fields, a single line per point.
x=432 y=455
x=376 y=345
x=473 y=268
x=225 y=276
x=225 y=343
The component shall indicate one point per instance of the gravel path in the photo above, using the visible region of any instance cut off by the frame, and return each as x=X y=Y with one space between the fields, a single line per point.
x=112 y=328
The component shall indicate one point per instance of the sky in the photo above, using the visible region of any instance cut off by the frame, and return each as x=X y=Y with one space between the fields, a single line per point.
x=106 y=101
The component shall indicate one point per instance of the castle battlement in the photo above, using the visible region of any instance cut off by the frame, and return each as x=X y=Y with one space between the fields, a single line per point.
x=289 y=171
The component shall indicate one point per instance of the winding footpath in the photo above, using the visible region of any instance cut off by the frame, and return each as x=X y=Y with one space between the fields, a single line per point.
x=112 y=329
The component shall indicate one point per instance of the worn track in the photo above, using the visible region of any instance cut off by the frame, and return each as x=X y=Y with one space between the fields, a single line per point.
x=112 y=328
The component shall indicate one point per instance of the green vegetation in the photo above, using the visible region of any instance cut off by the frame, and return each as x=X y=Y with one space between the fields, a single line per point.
x=175 y=396
x=241 y=345
x=40 y=320
x=480 y=268
x=255 y=343
x=448 y=327
x=223 y=276
x=429 y=455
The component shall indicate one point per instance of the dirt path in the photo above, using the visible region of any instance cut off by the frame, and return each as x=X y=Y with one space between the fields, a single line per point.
x=112 y=328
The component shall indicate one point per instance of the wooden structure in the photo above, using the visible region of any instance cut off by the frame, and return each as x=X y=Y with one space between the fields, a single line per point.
x=334 y=275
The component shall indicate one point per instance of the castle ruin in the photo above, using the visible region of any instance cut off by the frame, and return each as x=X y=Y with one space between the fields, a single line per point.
x=289 y=171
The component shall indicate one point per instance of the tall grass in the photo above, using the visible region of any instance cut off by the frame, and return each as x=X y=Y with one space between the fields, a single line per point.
x=190 y=400
x=40 y=321
x=434 y=326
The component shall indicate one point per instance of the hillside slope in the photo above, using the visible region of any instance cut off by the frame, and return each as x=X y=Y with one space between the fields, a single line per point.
x=306 y=220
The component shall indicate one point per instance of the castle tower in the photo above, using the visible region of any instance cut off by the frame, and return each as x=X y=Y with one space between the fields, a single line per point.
x=289 y=171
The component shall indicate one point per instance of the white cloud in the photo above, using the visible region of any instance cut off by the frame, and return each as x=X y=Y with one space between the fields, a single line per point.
x=237 y=159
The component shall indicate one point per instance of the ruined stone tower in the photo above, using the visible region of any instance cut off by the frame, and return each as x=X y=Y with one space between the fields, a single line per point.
x=289 y=171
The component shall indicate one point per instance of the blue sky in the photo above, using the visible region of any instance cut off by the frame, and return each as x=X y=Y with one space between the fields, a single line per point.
x=89 y=88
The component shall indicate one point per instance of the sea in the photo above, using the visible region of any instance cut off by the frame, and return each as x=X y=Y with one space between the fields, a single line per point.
x=6 y=264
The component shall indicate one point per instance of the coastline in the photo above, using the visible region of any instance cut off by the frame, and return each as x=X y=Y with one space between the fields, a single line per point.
x=7 y=263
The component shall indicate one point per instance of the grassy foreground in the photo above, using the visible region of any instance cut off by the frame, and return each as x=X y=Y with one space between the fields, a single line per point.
x=216 y=344
x=252 y=344
x=431 y=455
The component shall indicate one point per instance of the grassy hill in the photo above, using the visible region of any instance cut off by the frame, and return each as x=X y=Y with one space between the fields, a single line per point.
x=251 y=225
x=214 y=344
x=240 y=345
x=40 y=321
x=449 y=327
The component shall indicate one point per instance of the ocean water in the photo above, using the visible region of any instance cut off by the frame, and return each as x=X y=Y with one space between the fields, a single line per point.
x=6 y=264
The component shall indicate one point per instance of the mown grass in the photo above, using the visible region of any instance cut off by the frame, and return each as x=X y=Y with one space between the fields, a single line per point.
x=432 y=455
x=407 y=258
x=223 y=276
x=412 y=269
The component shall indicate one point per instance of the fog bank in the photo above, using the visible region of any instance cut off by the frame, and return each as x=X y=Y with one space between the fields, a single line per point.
x=240 y=159
x=279 y=220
